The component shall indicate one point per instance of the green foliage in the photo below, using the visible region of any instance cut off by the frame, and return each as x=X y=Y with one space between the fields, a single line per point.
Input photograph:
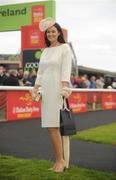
x=12 y=168
x=102 y=134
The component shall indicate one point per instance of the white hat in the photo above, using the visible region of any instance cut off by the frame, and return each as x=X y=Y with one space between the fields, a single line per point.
x=46 y=23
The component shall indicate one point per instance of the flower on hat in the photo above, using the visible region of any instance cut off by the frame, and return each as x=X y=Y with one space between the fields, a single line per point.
x=46 y=23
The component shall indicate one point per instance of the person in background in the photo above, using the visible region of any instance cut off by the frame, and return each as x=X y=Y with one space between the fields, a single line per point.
x=86 y=81
x=77 y=82
x=32 y=77
x=99 y=82
x=114 y=83
x=52 y=83
x=26 y=79
x=3 y=76
x=108 y=83
x=20 y=73
x=72 y=81
x=12 y=80
x=92 y=84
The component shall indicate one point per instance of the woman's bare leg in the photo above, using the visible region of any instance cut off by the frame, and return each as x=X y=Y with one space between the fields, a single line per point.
x=57 y=143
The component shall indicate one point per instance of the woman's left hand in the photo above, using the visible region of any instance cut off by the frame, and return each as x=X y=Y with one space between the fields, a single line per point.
x=66 y=91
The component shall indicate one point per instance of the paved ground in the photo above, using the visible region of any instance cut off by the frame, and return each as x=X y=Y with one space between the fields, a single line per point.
x=28 y=140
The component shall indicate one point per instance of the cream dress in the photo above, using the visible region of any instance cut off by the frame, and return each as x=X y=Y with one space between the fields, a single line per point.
x=54 y=67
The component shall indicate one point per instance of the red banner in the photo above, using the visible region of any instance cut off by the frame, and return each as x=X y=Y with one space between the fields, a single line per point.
x=31 y=37
x=2 y=99
x=38 y=13
x=2 y=105
x=94 y=101
x=17 y=105
x=109 y=100
x=21 y=106
x=78 y=102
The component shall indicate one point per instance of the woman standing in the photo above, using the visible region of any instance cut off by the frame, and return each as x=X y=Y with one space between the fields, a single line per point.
x=52 y=82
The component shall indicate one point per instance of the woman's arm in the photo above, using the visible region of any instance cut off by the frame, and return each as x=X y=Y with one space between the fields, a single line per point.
x=66 y=71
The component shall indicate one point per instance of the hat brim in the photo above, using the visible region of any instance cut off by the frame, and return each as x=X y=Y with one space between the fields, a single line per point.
x=46 y=23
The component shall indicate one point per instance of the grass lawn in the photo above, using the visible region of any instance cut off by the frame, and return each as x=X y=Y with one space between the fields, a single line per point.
x=12 y=168
x=102 y=134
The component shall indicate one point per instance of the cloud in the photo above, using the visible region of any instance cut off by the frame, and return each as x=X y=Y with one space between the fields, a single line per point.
x=92 y=27
x=10 y=42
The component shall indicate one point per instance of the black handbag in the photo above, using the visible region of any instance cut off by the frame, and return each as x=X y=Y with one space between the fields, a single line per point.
x=67 y=122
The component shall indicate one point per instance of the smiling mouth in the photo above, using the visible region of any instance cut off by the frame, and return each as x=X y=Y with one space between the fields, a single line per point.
x=51 y=37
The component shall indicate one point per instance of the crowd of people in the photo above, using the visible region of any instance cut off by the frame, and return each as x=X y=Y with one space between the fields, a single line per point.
x=17 y=77
x=99 y=82
x=20 y=77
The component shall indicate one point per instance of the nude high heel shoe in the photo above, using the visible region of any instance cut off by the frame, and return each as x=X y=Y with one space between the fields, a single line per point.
x=52 y=168
x=61 y=169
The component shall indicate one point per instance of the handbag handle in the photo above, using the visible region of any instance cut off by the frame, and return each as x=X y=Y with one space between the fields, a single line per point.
x=65 y=103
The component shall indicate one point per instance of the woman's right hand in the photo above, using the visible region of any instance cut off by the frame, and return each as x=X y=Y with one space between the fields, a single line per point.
x=36 y=94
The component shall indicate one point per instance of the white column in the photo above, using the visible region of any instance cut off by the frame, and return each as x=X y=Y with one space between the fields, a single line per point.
x=66 y=149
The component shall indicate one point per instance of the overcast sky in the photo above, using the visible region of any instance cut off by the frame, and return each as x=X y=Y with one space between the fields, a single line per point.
x=91 y=27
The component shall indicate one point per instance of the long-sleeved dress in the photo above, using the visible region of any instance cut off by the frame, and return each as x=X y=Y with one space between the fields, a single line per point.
x=54 y=67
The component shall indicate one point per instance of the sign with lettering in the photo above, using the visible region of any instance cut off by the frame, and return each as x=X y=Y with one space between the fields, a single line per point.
x=22 y=106
x=12 y=17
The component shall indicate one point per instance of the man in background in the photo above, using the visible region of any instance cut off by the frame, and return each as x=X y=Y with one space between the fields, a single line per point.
x=3 y=76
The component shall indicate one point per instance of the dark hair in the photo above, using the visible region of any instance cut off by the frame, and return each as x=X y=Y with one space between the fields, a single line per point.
x=2 y=65
x=60 y=37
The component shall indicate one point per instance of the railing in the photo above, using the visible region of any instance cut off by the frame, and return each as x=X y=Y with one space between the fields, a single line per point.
x=23 y=88
x=16 y=102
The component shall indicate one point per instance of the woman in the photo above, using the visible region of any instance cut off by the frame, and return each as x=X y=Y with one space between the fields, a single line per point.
x=52 y=82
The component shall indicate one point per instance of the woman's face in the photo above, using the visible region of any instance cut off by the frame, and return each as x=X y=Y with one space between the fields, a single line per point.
x=52 y=34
